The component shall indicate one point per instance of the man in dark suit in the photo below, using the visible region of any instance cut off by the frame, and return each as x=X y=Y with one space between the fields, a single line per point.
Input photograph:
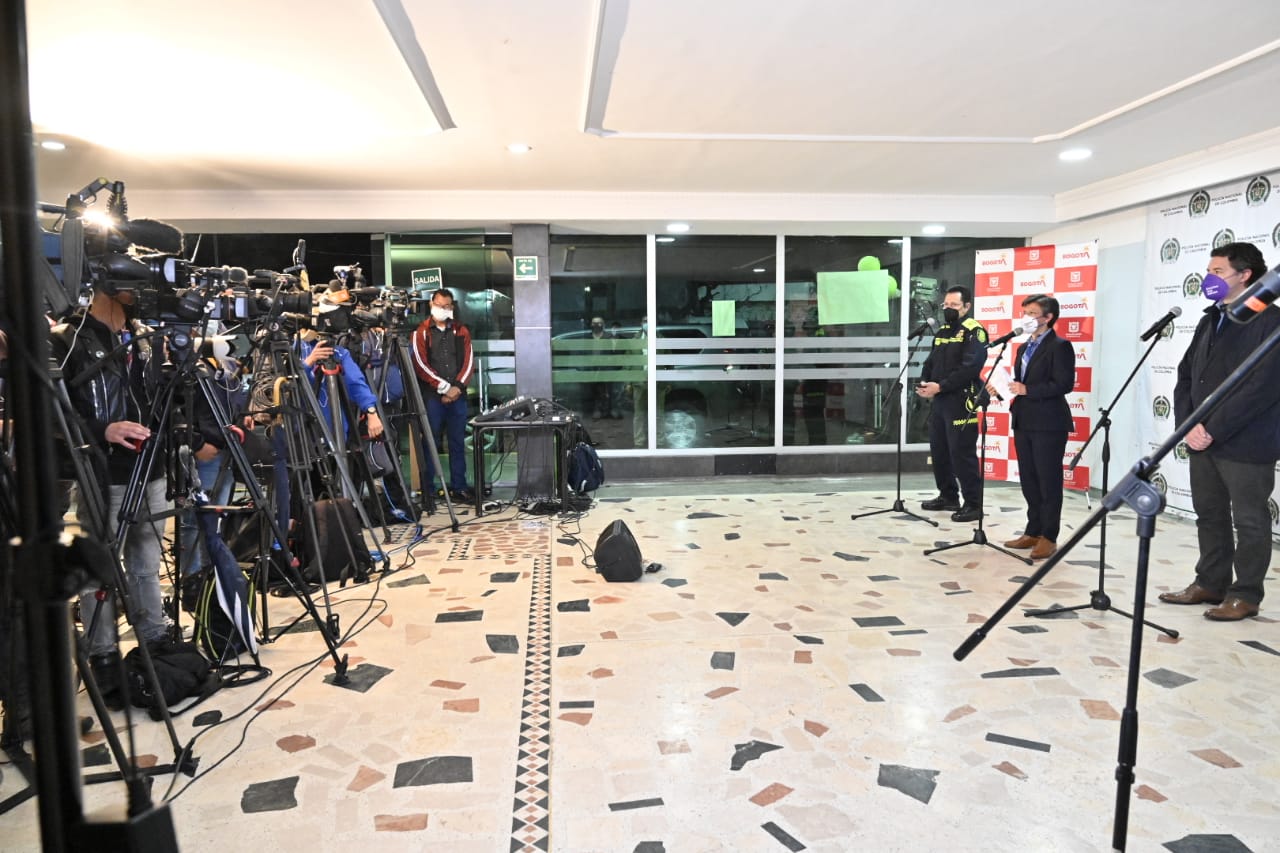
x=1235 y=449
x=1044 y=372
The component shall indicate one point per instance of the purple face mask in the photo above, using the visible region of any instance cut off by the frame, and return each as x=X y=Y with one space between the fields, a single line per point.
x=1214 y=287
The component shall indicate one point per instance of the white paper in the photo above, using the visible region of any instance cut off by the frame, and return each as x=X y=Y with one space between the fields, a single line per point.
x=999 y=379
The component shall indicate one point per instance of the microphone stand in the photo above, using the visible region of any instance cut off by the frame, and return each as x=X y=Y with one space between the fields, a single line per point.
x=1136 y=491
x=1098 y=598
x=980 y=535
x=898 y=505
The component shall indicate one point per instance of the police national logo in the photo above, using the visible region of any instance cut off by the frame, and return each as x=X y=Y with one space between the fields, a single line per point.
x=1274 y=510
x=1275 y=236
x=1166 y=333
x=1258 y=191
x=1198 y=204
x=1169 y=251
x=1182 y=452
x=1161 y=407
x=1191 y=286
x=1160 y=483
x=1223 y=237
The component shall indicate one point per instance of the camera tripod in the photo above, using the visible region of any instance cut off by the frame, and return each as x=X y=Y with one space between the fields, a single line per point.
x=979 y=533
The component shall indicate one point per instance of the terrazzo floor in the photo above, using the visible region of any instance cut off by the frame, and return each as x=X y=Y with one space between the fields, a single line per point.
x=784 y=682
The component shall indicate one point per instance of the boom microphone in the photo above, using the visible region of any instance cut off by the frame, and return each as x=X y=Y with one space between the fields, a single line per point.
x=155 y=235
x=1256 y=299
x=1159 y=325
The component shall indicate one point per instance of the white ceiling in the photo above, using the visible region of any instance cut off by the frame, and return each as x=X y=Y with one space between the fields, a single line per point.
x=818 y=116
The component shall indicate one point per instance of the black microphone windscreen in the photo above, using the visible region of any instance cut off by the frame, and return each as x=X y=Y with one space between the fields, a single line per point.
x=155 y=235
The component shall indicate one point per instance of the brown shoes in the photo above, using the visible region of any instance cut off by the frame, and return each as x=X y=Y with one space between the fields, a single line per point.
x=1195 y=594
x=1232 y=610
x=1023 y=541
x=1044 y=549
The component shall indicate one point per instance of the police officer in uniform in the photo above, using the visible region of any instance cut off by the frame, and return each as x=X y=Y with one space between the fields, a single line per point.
x=951 y=378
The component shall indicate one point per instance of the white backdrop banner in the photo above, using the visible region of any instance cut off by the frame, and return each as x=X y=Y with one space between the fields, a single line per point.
x=1181 y=232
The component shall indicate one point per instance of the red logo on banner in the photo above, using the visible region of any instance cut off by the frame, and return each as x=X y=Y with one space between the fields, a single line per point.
x=1033 y=257
x=998 y=423
x=1013 y=451
x=996 y=469
x=1080 y=429
x=993 y=284
x=1084 y=380
x=1075 y=328
x=1075 y=278
x=996 y=328
x=1077 y=479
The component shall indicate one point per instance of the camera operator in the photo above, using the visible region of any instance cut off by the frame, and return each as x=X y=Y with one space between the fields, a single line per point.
x=104 y=354
x=370 y=354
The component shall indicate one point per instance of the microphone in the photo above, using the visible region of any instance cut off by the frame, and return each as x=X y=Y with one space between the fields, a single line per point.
x=928 y=327
x=1025 y=326
x=1256 y=299
x=1159 y=325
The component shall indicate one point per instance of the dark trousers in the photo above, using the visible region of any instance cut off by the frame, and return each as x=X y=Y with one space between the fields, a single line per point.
x=953 y=444
x=1226 y=494
x=451 y=420
x=1040 y=472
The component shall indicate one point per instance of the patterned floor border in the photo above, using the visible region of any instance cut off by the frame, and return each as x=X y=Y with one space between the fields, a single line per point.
x=531 y=827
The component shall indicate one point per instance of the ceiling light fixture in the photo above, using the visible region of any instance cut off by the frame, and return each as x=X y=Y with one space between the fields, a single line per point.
x=665 y=239
x=678 y=227
x=53 y=145
x=895 y=241
x=1075 y=155
x=933 y=230
x=758 y=269
x=519 y=148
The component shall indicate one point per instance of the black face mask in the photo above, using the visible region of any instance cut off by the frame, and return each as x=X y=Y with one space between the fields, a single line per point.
x=950 y=316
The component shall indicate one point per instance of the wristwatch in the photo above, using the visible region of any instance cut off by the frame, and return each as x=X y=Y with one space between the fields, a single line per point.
x=372 y=410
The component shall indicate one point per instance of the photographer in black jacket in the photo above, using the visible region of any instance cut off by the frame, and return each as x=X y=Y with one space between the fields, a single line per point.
x=104 y=355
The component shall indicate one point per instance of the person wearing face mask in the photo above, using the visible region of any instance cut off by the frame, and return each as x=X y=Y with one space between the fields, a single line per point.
x=106 y=356
x=1044 y=372
x=443 y=360
x=950 y=378
x=603 y=394
x=1235 y=449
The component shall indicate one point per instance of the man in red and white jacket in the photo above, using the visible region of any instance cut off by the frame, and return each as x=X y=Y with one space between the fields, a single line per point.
x=444 y=362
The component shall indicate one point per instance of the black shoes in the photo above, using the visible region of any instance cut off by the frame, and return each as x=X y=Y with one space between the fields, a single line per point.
x=940 y=503
x=462 y=496
x=968 y=512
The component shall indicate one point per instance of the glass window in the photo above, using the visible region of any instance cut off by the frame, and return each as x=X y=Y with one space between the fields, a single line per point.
x=597 y=337
x=840 y=361
x=714 y=341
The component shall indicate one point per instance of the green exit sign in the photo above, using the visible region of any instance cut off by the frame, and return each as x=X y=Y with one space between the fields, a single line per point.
x=526 y=267
x=428 y=279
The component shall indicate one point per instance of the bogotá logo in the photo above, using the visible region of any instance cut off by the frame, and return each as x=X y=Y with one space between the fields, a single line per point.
x=1198 y=204
x=1191 y=285
x=1169 y=251
x=1160 y=483
x=1182 y=452
x=1161 y=407
x=1223 y=237
x=1258 y=191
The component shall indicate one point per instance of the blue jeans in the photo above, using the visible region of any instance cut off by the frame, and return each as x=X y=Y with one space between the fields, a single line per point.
x=450 y=418
x=142 y=552
x=193 y=555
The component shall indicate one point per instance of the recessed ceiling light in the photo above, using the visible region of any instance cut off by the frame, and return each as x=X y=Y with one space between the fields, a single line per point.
x=758 y=269
x=933 y=230
x=896 y=241
x=519 y=148
x=1075 y=155
x=678 y=227
x=665 y=239
x=53 y=145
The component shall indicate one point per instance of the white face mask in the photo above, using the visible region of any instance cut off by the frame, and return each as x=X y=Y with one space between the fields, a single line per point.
x=441 y=314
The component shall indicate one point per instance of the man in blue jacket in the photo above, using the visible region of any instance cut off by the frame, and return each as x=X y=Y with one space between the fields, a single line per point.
x=1234 y=450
